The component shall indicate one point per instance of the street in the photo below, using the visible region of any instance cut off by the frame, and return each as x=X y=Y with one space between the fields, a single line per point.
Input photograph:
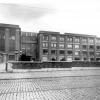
x=58 y=88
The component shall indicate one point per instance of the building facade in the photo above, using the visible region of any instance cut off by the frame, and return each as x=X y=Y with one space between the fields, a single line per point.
x=9 y=42
x=29 y=44
x=53 y=46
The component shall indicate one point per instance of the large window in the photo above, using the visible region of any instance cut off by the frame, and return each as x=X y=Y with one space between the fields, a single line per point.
x=54 y=45
x=61 y=38
x=45 y=37
x=45 y=51
x=69 y=52
x=84 y=40
x=98 y=47
x=91 y=40
x=77 y=46
x=61 y=45
x=69 y=39
x=77 y=39
x=77 y=53
x=84 y=47
x=61 y=51
x=69 y=46
x=53 y=51
x=53 y=38
x=91 y=47
x=45 y=44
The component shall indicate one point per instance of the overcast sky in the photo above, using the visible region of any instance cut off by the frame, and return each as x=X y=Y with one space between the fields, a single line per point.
x=73 y=16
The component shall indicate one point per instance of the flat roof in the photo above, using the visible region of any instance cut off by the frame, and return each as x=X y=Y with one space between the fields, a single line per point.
x=9 y=25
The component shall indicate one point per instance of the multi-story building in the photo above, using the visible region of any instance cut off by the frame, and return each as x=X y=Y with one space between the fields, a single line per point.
x=29 y=44
x=53 y=46
x=9 y=42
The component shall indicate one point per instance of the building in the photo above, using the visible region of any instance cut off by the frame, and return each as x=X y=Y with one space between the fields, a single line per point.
x=9 y=42
x=29 y=44
x=53 y=46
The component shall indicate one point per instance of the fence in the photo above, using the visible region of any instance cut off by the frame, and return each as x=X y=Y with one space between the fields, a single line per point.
x=54 y=64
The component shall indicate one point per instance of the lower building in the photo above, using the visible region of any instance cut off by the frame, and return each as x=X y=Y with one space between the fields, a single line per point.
x=29 y=44
x=53 y=46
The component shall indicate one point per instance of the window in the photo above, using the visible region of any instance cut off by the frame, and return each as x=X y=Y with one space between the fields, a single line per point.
x=45 y=58
x=70 y=46
x=98 y=47
x=91 y=40
x=61 y=52
x=53 y=38
x=77 y=39
x=69 y=52
x=69 y=39
x=53 y=45
x=62 y=58
x=97 y=40
x=84 y=40
x=45 y=44
x=91 y=47
x=45 y=51
x=84 y=53
x=61 y=38
x=84 y=47
x=53 y=58
x=91 y=53
x=69 y=58
x=77 y=58
x=77 y=53
x=97 y=53
x=61 y=45
x=53 y=51
x=45 y=37
x=77 y=46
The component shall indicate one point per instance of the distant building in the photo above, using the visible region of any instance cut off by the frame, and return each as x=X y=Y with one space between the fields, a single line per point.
x=9 y=42
x=29 y=44
x=53 y=46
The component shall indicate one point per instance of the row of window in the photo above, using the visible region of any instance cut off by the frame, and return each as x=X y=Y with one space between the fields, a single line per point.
x=62 y=58
x=70 y=46
x=70 y=39
x=69 y=52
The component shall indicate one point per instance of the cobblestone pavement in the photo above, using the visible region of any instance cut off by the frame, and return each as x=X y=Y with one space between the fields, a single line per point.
x=59 y=88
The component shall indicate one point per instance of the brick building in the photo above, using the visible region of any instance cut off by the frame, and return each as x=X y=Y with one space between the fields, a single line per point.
x=53 y=46
x=29 y=44
x=9 y=42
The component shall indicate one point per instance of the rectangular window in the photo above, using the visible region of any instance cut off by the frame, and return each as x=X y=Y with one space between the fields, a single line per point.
x=70 y=52
x=69 y=59
x=69 y=46
x=45 y=37
x=84 y=40
x=84 y=47
x=77 y=39
x=45 y=51
x=45 y=58
x=91 y=47
x=61 y=38
x=61 y=52
x=97 y=40
x=61 y=45
x=77 y=53
x=91 y=40
x=69 y=39
x=45 y=44
x=53 y=51
x=84 y=53
x=98 y=47
x=91 y=53
x=53 y=45
x=77 y=46
x=53 y=38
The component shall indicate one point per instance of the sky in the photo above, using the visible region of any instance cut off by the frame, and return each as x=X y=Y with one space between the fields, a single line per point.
x=72 y=16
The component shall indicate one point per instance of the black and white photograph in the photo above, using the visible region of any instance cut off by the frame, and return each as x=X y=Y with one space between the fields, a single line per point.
x=49 y=49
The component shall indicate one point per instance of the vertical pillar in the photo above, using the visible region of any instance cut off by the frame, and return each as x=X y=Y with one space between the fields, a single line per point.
x=6 y=40
x=17 y=44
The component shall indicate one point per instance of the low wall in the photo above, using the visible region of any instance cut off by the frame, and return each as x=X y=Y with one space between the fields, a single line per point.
x=38 y=65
